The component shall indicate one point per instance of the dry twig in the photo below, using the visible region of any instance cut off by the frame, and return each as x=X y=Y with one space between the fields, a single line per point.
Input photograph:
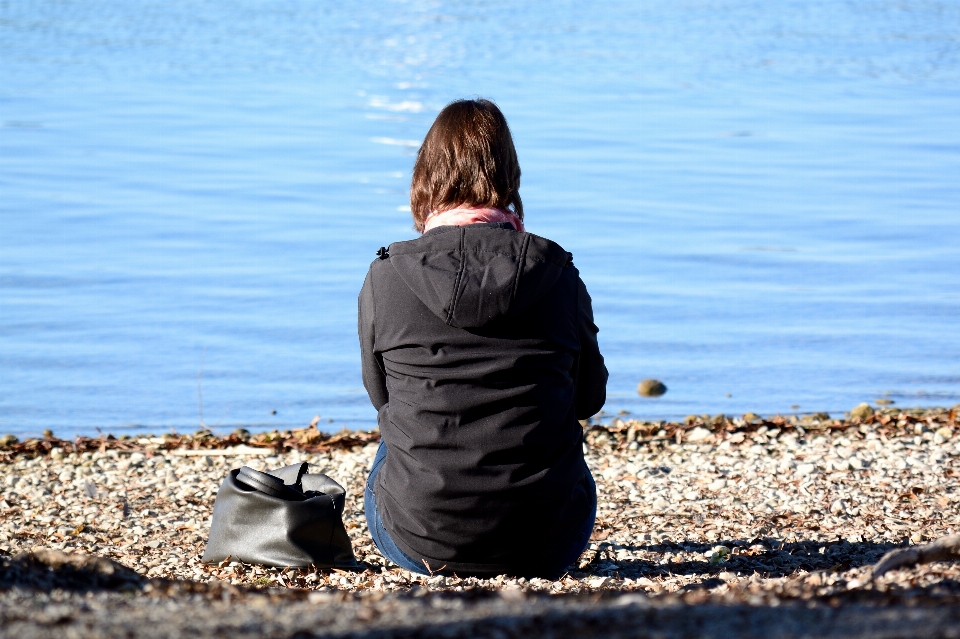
x=944 y=548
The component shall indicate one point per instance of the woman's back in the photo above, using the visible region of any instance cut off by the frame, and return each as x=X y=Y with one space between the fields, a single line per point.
x=480 y=353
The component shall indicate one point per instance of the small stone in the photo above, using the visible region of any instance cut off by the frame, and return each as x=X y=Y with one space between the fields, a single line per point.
x=806 y=469
x=599 y=582
x=698 y=434
x=786 y=464
x=861 y=412
x=632 y=599
x=718 y=484
x=718 y=555
x=512 y=592
x=320 y=597
x=727 y=576
x=945 y=432
x=751 y=418
x=8 y=440
x=651 y=388
x=837 y=507
x=883 y=401
x=56 y=453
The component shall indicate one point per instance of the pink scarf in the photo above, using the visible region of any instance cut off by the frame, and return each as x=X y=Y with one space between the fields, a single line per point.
x=464 y=215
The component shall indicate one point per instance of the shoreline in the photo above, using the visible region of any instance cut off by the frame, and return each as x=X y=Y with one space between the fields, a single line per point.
x=310 y=439
x=759 y=514
x=333 y=426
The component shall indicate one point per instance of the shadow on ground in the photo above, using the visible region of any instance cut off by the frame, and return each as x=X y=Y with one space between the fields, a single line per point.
x=766 y=557
x=46 y=570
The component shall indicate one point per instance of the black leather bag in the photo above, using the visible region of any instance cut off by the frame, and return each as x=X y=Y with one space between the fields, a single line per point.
x=287 y=517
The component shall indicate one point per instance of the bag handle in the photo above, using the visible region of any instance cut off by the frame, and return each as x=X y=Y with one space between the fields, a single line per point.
x=268 y=484
x=292 y=474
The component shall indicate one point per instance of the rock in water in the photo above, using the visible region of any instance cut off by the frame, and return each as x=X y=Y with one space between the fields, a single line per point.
x=651 y=388
x=863 y=411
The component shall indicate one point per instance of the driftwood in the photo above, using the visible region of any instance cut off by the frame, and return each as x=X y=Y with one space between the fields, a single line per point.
x=944 y=548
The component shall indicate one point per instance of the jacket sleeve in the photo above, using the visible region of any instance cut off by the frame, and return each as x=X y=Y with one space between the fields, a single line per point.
x=590 y=386
x=371 y=362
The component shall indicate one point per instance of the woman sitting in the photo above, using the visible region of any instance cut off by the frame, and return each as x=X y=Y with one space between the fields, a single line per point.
x=480 y=353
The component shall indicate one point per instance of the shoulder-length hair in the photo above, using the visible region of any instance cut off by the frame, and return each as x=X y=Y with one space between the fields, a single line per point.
x=466 y=159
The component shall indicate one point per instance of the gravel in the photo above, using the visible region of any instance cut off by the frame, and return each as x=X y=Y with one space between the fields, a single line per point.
x=712 y=512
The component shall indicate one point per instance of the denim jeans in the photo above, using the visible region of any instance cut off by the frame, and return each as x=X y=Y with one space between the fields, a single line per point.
x=389 y=549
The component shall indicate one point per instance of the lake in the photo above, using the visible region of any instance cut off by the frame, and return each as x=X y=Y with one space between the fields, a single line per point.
x=763 y=198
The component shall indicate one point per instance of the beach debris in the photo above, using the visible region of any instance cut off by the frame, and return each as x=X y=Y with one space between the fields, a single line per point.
x=651 y=388
x=945 y=548
x=803 y=511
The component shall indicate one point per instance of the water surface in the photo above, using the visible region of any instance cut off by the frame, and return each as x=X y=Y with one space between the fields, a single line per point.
x=762 y=197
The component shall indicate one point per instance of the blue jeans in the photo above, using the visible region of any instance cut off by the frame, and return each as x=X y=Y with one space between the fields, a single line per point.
x=389 y=549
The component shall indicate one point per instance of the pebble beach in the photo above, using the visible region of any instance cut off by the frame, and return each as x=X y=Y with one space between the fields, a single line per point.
x=712 y=513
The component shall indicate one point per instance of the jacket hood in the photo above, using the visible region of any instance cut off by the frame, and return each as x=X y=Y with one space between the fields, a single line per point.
x=471 y=275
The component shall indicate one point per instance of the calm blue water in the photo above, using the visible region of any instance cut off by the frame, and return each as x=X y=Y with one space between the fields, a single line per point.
x=763 y=198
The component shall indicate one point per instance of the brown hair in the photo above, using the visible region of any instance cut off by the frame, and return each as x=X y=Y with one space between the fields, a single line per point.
x=467 y=158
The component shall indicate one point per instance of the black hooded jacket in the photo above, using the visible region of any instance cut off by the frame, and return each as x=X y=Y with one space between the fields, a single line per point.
x=480 y=353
